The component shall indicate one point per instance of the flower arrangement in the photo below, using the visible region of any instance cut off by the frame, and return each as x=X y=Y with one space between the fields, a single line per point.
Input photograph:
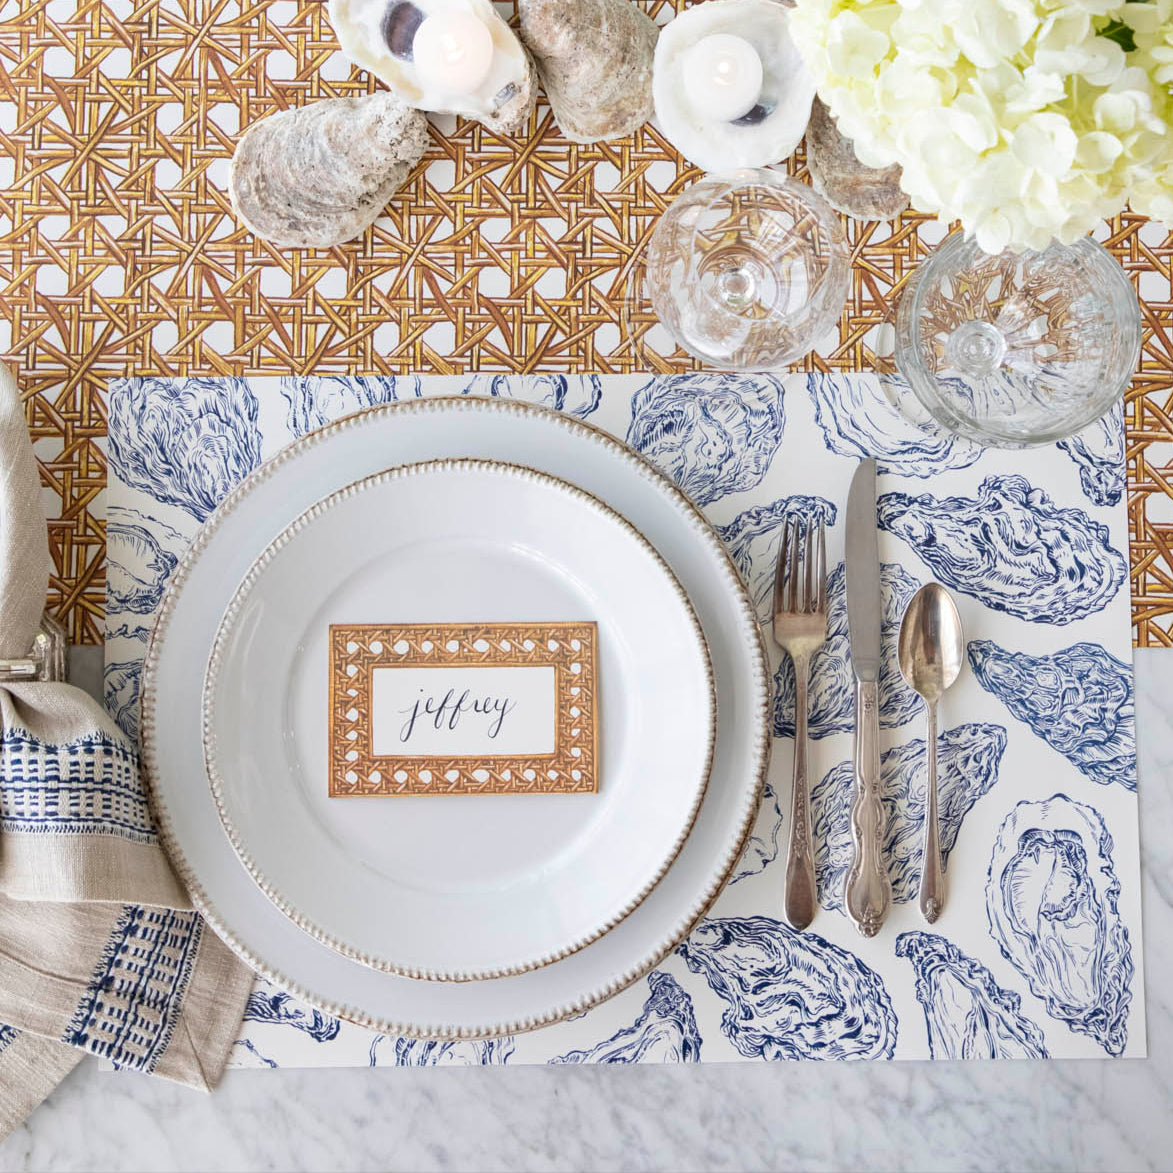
x=1027 y=120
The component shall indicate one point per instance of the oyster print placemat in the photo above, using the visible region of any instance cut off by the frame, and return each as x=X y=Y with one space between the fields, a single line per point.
x=1039 y=950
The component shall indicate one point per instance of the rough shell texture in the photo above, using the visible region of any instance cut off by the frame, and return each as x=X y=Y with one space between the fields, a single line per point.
x=379 y=35
x=774 y=127
x=864 y=193
x=320 y=175
x=595 y=61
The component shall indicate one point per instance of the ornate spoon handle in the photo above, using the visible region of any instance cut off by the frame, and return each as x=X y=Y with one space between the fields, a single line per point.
x=932 y=874
x=868 y=895
x=800 y=859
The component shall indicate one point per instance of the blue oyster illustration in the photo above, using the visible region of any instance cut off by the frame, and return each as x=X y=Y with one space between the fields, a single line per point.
x=1099 y=452
x=578 y=395
x=1079 y=701
x=967 y=1014
x=791 y=995
x=712 y=434
x=664 y=1032
x=761 y=848
x=1051 y=899
x=968 y=758
x=127 y=630
x=268 y=1004
x=186 y=442
x=316 y=400
x=141 y=554
x=254 y=1050
x=832 y=686
x=1012 y=548
x=754 y=539
x=859 y=420
x=451 y=1053
x=120 y=689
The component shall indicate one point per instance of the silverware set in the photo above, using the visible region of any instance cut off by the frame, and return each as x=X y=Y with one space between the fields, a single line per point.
x=931 y=655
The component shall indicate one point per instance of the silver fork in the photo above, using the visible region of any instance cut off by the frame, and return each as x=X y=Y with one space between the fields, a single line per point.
x=800 y=628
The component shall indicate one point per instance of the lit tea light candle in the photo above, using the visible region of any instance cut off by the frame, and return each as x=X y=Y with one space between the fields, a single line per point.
x=453 y=51
x=729 y=84
x=723 y=74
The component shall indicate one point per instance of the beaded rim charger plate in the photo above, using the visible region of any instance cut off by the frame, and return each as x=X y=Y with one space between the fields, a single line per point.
x=201 y=590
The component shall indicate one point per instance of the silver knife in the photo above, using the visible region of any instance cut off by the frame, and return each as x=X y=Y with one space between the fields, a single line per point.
x=868 y=895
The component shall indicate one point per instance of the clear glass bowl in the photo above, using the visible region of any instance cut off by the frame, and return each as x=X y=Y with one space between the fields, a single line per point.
x=747 y=270
x=1021 y=348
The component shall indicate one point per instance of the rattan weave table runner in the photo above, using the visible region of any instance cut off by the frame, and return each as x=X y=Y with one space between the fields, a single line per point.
x=119 y=254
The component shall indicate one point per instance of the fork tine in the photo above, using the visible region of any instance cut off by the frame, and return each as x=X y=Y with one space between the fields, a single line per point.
x=780 y=574
x=821 y=571
x=792 y=566
x=809 y=600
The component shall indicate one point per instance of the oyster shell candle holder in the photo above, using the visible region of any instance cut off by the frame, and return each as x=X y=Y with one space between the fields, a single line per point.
x=595 y=61
x=449 y=56
x=729 y=85
x=320 y=175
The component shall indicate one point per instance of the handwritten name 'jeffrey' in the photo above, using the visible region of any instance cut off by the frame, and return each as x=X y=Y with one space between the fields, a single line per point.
x=449 y=709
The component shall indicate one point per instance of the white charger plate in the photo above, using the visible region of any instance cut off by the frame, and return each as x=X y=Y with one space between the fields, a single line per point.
x=267 y=501
x=457 y=887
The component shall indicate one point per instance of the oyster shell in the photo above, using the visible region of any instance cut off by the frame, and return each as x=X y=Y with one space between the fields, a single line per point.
x=859 y=419
x=863 y=193
x=664 y=1032
x=1078 y=700
x=970 y=758
x=791 y=995
x=595 y=61
x=379 y=35
x=1099 y=452
x=1012 y=548
x=321 y=174
x=773 y=127
x=967 y=1014
x=713 y=434
x=1052 y=898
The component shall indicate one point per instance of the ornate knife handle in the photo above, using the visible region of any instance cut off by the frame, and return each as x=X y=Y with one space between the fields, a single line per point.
x=868 y=896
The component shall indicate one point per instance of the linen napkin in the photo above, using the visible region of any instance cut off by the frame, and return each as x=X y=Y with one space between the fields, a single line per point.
x=100 y=950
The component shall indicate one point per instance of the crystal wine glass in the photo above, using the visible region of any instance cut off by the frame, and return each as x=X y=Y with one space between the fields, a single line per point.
x=747 y=270
x=1020 y=348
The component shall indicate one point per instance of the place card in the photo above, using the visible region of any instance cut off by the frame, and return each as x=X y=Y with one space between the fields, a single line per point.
x=441 y=708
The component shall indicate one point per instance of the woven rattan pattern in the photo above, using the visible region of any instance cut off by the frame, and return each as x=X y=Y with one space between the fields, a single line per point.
x=119 y=254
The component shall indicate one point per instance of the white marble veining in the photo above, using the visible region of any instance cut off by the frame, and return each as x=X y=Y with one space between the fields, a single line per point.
x=1088 y=1115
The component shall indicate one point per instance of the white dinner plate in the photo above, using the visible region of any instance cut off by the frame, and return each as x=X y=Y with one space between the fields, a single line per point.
x=457 y=887
x=260 y=508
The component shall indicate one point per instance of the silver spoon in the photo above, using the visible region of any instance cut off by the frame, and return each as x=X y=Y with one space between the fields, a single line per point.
x=932 y=651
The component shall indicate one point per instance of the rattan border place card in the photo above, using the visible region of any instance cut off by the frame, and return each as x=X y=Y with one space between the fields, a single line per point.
x=441 y=708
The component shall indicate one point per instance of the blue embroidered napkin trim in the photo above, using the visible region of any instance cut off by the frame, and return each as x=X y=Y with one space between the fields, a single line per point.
x=129 y=1011
x=86 y=787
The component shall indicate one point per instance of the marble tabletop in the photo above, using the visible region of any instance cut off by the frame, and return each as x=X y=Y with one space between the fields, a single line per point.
x=1046 y=1115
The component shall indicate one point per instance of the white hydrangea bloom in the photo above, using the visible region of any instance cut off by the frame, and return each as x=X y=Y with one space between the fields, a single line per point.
x=1027 y=120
